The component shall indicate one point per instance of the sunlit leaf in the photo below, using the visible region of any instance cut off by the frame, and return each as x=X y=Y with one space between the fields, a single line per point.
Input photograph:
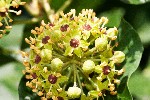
x=130 y=44
x=136 y=1
x=13 y=40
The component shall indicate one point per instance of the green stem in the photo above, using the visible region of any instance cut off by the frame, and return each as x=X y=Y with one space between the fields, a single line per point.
x=75 y=74
x=69 y=74
x=27 y=21
x=65 y=65
x=87 y=78
x=78 y=78
x=64 y=6
x=47 y=8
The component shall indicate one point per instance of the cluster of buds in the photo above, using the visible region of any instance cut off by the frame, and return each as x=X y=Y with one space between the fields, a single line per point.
x=73 y=54
x=4 y=13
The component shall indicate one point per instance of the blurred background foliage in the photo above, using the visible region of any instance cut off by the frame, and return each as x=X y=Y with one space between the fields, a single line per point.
x=136 y=12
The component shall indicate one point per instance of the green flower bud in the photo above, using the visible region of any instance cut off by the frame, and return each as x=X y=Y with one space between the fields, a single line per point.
x=88 y=66
x=46 y=55
x=74 y=92
x=118 y=57
x=56 y=64
x=101 y=43
x=112 y=33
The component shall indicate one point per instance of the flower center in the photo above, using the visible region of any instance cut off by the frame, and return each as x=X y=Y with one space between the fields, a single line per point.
x=37 y=59
x=52 y=79
x=106 y=70
x=74 y=43
x=45 y=39
x=63 y=28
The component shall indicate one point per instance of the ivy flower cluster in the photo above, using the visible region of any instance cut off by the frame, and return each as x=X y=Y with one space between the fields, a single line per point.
x=5 y=9
x=73 y=57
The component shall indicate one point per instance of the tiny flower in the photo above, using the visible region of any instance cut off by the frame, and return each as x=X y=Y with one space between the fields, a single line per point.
x=52 y=79
x=87 y=27
x=106 y=70
x=74 y=43
x=88 y=66
x=45 y=39
x=37 y=59
x=74 y=92
x=63 y=28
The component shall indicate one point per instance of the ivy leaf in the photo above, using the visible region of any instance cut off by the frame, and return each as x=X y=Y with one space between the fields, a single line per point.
x=13 y=40
x=25 y=93
x=135 y=1
x=114 y=15
x=130 y=44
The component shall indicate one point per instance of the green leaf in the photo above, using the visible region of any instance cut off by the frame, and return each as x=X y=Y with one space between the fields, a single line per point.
x=9 y=79
x=130 y=44
x=139 y=84
x=85 y=4
x=25 y=93
x=135 y=1
x=13 y=40
x=114 y=16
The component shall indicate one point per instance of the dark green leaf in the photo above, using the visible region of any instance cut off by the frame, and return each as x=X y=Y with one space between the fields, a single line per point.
x=130 y=44
x=139 y=84
x=114 y=15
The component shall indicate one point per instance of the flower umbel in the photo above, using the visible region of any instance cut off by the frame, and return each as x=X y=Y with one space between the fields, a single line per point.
x=75 y=50
x=5 y=19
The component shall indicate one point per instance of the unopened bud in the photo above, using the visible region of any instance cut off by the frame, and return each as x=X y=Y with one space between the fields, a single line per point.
x=74 y=92
x=118 y=57
x=101 y=43
x=112 y=33
x=88 y=66
x=46 y=55
x=56 y=64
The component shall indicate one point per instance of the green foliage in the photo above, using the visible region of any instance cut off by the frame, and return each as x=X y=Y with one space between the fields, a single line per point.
x=135 y=12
